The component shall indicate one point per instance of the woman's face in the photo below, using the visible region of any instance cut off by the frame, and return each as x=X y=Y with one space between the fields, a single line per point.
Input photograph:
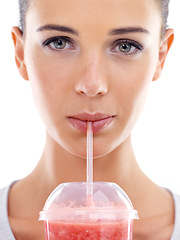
x=91 y=57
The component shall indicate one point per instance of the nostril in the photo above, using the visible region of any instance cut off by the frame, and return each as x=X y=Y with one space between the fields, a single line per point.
x=92 y=81
x=92 y=91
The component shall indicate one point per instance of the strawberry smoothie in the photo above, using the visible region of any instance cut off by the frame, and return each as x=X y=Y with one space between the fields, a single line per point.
x=116 y=230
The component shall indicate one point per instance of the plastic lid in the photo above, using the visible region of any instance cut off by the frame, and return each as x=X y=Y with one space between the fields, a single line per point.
x=68 y=202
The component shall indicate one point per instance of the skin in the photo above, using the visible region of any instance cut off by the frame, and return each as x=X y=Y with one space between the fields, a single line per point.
x=90 y=75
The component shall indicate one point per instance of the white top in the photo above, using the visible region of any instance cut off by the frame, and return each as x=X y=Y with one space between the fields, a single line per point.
x=7 y=234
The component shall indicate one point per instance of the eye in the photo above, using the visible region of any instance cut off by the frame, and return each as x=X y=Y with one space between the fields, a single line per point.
x=59 y=43
x=126 y=47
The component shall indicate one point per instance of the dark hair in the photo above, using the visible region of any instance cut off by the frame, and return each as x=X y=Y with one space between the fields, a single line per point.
x=23 y=7
x=162 y=4
x=164 y=8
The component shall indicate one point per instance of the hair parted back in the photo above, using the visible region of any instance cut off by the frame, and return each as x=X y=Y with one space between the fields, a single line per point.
x=164 y=8
x=23 y=7
x=162 y=4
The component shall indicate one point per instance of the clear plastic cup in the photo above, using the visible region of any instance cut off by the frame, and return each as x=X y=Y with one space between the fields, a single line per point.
x=69 y=214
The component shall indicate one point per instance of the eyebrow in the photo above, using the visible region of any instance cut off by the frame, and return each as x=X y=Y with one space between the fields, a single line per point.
x=53 y=27
x=128 y=30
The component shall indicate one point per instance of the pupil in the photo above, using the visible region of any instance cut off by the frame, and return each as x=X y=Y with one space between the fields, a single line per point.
x=60 y=44
x=125 y=48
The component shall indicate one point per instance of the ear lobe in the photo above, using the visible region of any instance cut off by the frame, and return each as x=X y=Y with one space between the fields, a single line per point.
x=163 y=51
x=19 y=51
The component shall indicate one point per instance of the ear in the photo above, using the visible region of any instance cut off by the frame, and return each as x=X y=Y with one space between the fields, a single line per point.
x=17 y=37
x=163 y=51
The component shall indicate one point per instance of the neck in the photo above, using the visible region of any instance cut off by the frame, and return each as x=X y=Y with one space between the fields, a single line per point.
x=57 y=166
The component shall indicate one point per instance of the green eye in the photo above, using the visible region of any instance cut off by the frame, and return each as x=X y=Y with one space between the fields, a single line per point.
x=126 y=48
x=59 y=44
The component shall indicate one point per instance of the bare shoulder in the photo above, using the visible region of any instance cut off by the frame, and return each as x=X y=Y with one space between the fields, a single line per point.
x=158 y=224
x=26 y=229
x=23 y=214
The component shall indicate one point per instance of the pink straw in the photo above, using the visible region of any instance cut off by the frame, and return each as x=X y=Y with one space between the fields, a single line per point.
x=89 y=161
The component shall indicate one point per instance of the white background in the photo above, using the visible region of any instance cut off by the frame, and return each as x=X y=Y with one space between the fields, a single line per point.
x=156 y=137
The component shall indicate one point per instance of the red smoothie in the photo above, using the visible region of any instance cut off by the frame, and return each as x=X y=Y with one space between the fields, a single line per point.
x=116 y=230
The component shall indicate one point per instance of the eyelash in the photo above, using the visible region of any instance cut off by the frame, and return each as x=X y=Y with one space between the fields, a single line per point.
x=120 y=42
x=138 y=47
x=64 y=39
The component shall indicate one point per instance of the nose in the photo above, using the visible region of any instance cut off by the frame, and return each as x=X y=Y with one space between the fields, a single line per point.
x=92 y=81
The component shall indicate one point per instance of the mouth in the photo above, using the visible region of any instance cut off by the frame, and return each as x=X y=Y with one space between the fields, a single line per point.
x=99 y=121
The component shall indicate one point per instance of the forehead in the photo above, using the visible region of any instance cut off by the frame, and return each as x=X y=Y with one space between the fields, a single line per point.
x=94 y=13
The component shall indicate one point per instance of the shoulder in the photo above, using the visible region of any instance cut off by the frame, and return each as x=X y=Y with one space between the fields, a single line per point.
x=176 y=231
x=5 y=230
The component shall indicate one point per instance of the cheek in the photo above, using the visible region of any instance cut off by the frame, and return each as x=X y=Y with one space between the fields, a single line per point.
x=134 y=79
x=52 y=87
x=132 y=85
x=50 y=81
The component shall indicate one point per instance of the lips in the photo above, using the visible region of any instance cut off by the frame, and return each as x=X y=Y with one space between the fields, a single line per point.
x=99 y=121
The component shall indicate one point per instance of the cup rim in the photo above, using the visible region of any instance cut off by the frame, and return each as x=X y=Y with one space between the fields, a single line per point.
x=92 y=213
